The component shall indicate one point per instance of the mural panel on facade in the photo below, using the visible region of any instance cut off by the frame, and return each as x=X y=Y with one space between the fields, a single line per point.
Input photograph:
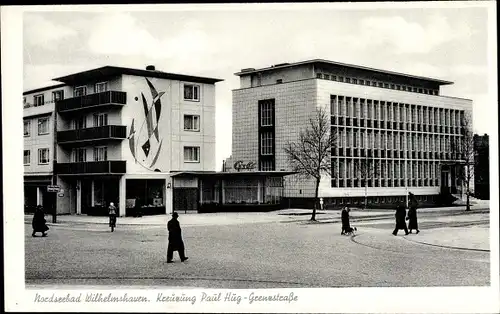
x=145 y=140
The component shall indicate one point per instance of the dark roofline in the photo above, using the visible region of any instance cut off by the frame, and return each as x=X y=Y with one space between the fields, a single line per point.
x=41 y=89
x=230 y=174
x=113 y=71
x=287 y=65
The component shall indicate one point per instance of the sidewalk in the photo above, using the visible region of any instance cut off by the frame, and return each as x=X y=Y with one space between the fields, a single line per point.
x=475 y=238
x=285 y=215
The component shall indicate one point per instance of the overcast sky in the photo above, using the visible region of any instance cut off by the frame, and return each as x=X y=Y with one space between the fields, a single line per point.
x=446 y=43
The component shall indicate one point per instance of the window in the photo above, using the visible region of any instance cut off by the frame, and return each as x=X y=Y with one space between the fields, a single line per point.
x=266 y=112
x=348 y=80
x=374 y=83
x=43 y=156
x=341 y=79
x=38 y=100
x=319 y=75
x=100 y=119
x=279 y=81
x=26 y=157
x=355 y=81
x=80 y=91
x=380 y=84
x=57 y=95
x=80 y=123
x=266 y=165
x=403 y=87
x=27 y=127
x=191 y=123
x=266 y=143
x=100 y=153
x=191 y=154
x=79 y=155
x=191 y=92
x=327 y=77
x=101 y=87
x=398 y=87
x=334 y=77
x=43 y=126
x=362 y=82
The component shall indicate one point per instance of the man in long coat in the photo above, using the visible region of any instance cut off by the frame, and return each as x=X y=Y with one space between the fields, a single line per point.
x=400 y=219
x=39 y=221
x=412 y=214
x=175 y=242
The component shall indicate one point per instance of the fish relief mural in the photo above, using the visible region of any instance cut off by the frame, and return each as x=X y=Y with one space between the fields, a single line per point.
x=144 y=137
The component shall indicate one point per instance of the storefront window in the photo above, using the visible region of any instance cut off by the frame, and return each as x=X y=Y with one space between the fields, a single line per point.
x=150 y=192
x=242 y=191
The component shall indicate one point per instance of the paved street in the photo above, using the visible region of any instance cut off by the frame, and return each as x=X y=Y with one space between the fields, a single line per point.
x=269 y=253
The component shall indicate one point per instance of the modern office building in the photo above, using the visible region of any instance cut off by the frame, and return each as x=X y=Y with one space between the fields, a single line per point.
x=117 y=135
x=393 y=130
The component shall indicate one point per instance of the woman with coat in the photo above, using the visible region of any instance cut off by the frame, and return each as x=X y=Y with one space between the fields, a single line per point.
x=39 y=221
x=412 y=214
x=400 y=219
x=346 y=226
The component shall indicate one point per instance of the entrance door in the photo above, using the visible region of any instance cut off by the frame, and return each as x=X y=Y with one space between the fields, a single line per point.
x=86 y=196
x=445 y=184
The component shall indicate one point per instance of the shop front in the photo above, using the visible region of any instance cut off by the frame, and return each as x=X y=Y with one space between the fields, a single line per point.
x=145 y=197
x=229 y=191
x=35 y=193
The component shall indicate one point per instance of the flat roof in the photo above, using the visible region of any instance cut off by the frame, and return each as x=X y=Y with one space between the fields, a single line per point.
x=231 y=174
x=41 y=89
x=109 y=71
x=328 y=62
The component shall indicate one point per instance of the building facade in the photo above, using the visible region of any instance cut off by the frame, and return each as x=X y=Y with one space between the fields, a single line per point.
x=482 y=166
x=393 y=131
x=120 y=133
x=39 y=145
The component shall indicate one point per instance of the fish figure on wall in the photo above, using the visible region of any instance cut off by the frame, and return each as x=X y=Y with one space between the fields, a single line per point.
x=147 y=141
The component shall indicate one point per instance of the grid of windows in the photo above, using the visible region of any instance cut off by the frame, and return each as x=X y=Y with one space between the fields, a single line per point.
x=391 y=142
x=362 y=81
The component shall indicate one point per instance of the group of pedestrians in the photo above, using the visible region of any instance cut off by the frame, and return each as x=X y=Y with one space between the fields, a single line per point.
x=401 y=218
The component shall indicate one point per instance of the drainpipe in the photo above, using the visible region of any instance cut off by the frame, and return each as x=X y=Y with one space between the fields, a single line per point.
x=54 y=162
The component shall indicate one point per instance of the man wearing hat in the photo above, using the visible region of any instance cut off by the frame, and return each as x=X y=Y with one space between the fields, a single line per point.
x=175 y=242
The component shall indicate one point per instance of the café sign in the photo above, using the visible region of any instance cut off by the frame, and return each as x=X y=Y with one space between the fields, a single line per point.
x=240 y=165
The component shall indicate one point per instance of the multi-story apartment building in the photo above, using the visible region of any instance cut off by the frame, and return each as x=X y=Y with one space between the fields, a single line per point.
x=393 y=130
x=39 y=149
x=120 y=133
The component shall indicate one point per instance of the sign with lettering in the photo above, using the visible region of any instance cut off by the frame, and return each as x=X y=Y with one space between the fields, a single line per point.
x=53 y=188
x=240 y=165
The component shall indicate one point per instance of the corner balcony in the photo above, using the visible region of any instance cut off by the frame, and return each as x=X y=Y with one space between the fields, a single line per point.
x=92 y=102
x=92 y=135
x=91 y=168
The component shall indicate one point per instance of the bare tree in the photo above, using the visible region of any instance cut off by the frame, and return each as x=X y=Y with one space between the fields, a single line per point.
x=310 y=155
x=463 y=152
x=365 y=168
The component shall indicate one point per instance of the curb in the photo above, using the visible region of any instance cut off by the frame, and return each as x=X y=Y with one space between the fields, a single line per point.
x=447 y=246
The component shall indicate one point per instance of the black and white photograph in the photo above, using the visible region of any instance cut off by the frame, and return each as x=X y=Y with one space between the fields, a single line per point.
x=293 y=157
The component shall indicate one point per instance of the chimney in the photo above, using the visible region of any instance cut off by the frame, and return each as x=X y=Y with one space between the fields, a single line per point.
x=150 y=68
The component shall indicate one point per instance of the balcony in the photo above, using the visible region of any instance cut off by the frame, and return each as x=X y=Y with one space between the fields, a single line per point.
x=92 y=101
x=101 y=133
x=91 y=168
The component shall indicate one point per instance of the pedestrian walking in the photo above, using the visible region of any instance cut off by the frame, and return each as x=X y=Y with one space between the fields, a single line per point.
x=400 y=219
x=112 y=216
x=39 y=222
x=412 y=213
x=175 y=242
x=138 y=208
x=346 y=226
